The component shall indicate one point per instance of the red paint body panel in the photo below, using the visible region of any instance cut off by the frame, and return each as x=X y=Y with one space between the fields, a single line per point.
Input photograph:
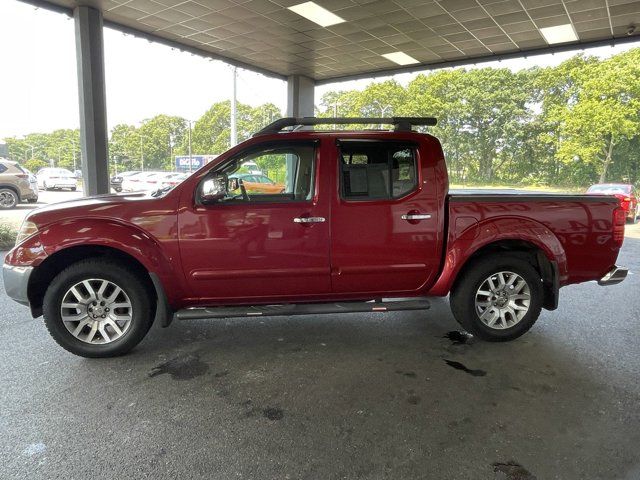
x=235 y=253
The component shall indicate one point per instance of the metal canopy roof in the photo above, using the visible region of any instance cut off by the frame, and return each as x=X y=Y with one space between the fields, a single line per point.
x=265 y=36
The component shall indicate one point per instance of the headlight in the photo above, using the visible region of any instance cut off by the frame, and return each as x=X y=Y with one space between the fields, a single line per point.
x=26 y=230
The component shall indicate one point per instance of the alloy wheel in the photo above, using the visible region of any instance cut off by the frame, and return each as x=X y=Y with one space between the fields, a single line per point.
x=502 y=300
x=7 y=199
x=96 y=311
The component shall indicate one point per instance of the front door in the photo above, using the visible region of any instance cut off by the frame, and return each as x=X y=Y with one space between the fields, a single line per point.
x=256 y=243
x=384 y=219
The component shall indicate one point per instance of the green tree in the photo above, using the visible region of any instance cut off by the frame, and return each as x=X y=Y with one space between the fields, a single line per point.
x=605 y=112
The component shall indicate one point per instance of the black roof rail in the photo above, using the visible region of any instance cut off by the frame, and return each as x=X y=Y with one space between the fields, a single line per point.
x=401 y=124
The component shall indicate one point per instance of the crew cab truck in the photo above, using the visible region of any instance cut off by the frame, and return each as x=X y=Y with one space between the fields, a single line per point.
x=364 y=222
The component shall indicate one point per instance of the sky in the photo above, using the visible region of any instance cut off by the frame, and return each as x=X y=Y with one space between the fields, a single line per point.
x=39 y=91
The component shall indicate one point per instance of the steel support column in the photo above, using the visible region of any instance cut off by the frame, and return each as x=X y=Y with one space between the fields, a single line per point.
x=300 y=92
x=92 y=99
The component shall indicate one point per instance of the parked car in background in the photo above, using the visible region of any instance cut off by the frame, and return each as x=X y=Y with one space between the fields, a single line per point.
x=149 y=181
x=117 y=179
x=153 y=180
x=17 y=185
x=172 y=179
x=133 y=182
x=627 y=194
x=56 y=178
x=258 y=183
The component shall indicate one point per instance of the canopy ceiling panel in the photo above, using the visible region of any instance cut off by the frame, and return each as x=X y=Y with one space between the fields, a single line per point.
x=267 y=36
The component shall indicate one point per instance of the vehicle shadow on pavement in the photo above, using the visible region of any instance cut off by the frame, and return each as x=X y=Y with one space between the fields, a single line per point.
x=394 y=395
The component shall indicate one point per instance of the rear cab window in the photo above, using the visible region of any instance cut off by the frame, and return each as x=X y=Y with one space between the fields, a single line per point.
x=377 y=170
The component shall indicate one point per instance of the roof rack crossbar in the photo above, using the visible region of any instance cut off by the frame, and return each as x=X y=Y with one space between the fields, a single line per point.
x=401 y=124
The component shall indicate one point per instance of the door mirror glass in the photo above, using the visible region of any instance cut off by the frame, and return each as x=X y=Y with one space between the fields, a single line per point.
x=213 y=189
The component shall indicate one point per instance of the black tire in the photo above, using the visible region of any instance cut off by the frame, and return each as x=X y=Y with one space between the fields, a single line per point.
x=463 y=296
x=73 y=189
x=142 y=311
x=9 y=198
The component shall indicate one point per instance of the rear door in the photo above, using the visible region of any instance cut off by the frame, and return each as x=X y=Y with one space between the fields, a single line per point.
x=384 y=219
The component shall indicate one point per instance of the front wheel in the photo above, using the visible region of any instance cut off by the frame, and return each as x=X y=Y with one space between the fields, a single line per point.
x=97 y=308
x=497 y=298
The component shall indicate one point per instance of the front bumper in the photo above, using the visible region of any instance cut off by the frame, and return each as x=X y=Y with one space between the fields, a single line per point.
x=615 y=275
x=16 y=281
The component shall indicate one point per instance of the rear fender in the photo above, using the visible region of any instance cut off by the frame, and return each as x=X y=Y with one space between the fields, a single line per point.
x=479 y=235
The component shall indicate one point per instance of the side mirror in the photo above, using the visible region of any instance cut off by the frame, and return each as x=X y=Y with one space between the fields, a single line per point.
x=213 y=189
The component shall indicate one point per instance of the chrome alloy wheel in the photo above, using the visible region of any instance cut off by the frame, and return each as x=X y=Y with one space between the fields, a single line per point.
x=502 y=300
x=7 y=199
x=96 y=311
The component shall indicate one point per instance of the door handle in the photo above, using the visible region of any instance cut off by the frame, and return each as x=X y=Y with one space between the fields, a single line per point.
x=308 y=220
x=416 y=216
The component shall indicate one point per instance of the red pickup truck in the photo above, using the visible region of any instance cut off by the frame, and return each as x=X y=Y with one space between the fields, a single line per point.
x=364 y=223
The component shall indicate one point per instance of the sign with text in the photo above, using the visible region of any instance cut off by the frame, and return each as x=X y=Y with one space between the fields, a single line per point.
x=197 y=161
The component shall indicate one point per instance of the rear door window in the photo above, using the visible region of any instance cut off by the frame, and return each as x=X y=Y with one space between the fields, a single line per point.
x=377 y=170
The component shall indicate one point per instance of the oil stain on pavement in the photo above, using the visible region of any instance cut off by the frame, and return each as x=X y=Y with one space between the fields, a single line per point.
x=460 y=366
x=457 y=337
x=511 y=471
x=181 y=368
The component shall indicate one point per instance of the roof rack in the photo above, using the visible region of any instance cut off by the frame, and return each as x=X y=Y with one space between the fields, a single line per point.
x=401 y=124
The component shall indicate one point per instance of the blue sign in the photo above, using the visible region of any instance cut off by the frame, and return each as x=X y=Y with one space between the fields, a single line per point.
x=197 y=161
x=182 y=163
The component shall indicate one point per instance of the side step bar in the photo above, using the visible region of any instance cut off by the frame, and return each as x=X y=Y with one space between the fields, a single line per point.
x=199 y=313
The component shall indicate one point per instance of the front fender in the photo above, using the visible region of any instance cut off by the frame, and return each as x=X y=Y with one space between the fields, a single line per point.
x=461 y=246
x=118 y=235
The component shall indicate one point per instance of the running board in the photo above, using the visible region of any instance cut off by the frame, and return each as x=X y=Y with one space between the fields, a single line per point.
x=199 y=313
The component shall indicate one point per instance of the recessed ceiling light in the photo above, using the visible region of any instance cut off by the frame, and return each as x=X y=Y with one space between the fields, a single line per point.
x=314 y=12
x=559 y=34
x=400 y=58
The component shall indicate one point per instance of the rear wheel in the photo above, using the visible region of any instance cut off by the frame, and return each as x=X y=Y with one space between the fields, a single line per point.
x=498 y=298
x=8 y=198
x=97 y=308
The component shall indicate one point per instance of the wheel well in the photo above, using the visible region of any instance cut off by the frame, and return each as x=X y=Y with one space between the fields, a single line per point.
x=54 y=264
x=13 y=189
x=528 y=252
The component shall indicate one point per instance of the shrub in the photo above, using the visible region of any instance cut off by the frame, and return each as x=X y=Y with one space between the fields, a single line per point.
x=8 y=235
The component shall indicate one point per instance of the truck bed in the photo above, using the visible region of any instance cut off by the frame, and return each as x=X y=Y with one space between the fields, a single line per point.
x=582 y=224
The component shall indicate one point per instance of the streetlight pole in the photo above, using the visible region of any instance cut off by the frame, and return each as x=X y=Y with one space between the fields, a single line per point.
x=32 y=148
x=190 y=161
x=141 y=153
x=234 y=113
x=382 y=108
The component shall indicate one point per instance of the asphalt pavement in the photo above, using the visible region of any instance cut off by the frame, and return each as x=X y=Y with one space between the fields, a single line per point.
x=375 y=396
